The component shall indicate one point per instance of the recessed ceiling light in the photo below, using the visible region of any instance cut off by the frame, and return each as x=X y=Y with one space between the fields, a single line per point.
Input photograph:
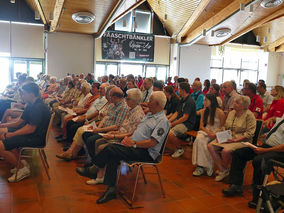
x=83 y=17
x=271 y=3
x=222 y=32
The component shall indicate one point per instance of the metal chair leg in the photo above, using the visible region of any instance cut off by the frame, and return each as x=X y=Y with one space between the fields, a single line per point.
x=44 y=165
x=45 y=158
x=161 y=185
x=18 y=164
x=142 y=171
x=135 y=185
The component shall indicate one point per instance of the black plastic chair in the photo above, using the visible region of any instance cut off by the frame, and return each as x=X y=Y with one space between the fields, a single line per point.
x=139 y=166
x=257 y=131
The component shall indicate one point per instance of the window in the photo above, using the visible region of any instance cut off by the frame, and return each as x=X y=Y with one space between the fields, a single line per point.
x=134 y=69
x=125 y=23
x=112 y=69
x=238 y=63
x=4 y=70
x=162 y=73
x=20 y=66
x=100 y=70
x=143 y=21
x=35 y=69
x=150 y=71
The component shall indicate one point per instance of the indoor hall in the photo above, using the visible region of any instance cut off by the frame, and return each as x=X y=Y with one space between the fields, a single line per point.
x=239 y=41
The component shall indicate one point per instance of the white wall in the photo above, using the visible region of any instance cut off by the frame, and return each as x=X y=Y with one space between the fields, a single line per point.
x=69 y=53
x=195 y=62
x=275 y=69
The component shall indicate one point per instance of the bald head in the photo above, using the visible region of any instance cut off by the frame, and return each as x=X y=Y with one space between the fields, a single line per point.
x=227 y=87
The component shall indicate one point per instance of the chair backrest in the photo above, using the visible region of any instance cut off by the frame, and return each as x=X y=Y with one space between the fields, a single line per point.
x=160 y=157
x=257 y=131
x=49 y=127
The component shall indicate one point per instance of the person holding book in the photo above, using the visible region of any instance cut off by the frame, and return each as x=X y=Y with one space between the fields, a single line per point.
x=242 y=124
x=272 y=148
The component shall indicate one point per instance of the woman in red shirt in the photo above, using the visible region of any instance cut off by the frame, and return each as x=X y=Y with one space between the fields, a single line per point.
x=277 y=107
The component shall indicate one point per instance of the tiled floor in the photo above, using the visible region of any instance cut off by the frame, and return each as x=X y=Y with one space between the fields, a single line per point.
x=67 y=191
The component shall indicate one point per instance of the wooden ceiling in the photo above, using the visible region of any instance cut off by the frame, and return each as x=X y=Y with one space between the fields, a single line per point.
x=185 y=20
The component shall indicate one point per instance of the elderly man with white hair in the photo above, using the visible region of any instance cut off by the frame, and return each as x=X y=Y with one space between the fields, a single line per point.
x=144 y=145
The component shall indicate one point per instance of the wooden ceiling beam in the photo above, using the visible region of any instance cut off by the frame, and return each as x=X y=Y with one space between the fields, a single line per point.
x=272 y=47
x=215 y=20
x=280 y=48
x=137 y=4
x=56 y=14
x=40 y=10
x=201 y=7
x=270 y=17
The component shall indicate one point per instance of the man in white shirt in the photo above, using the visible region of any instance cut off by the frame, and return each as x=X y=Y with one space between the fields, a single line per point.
x=265 y=96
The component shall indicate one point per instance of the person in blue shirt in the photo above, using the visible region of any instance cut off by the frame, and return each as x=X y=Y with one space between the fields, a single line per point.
x=197 y=95
x=144 y=145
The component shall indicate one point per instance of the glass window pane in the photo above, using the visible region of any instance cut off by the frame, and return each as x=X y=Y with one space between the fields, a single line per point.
x=150 y=71
x=35 y=69
x=232 y=62
x=100 y=70
x=4 y=70
x=134 y=69
x=252 y=65
x=162 y=73
x=124 y=24
x=216 y=62
x=143 y=21
x=216 y=74
x=20 y=66
x=231 y=75
x=250 y=75
x=112 y=69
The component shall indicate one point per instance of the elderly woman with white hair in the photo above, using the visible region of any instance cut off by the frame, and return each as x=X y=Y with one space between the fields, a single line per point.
x=130 y=123
x=242 y=124
x=51 y=88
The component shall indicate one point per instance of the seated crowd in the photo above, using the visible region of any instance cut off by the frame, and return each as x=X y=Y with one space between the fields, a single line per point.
x=129 y=118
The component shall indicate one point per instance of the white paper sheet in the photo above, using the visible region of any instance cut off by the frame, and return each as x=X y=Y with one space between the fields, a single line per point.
x=224 y=136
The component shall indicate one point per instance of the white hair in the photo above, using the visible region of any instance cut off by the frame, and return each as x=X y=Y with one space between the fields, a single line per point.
x=244 y=101
x=135 y=95
x=160 y=97
x=87 y=86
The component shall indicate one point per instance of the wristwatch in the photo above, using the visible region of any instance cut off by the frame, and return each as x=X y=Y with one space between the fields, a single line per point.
x=134 y=145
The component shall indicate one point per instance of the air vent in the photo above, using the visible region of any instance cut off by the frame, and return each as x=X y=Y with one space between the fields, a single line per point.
x=83 y=17
x=271 y=3
x=222 y=32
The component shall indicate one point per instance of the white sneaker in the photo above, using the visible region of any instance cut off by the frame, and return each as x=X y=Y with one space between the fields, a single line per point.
x=222 y=175
x=209 y=171
x=198 y=171
x=179 y=152
x=95 y=181
x=22 y=173
x=25 y=163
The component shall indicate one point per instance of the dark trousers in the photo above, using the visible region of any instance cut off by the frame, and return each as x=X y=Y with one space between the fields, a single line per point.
x=71 y=128
x=239 y=159
x=90 y=141
x=111 y=156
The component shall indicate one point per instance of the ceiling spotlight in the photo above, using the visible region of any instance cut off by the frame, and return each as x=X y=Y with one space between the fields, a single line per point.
x=166 y=17
x=264 y=39
x=242 y=7
x=257 y=38
x=51 y=17
x=271 y=3
x=83 y=17
x=251 y=8
x=222 y=32
x=37 y=16
x=204 y=32
x=13 y=1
